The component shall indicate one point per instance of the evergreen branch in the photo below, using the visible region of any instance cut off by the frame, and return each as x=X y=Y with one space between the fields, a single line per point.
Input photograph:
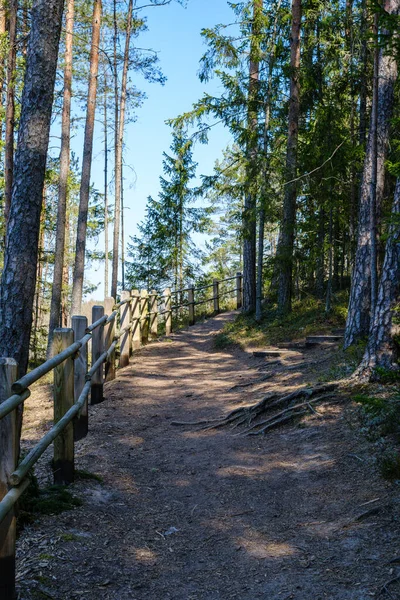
x=316 y=168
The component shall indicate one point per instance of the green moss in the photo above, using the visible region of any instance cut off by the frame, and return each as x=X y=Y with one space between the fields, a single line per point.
x=51 y=500
x=81 y=474
x=69 y=537
x=389 y=465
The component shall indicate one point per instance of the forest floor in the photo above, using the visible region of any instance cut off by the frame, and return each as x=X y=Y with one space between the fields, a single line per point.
x=188 y=514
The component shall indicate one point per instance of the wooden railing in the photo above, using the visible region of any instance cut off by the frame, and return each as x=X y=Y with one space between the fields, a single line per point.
x=116 y=329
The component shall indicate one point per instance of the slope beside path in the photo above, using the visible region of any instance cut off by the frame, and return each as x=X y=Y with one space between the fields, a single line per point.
x=188 y=514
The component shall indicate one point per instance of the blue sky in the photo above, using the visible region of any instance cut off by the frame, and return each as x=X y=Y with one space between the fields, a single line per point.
x=174 y=32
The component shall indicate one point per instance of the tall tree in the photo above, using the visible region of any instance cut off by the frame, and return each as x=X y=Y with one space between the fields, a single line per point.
x=250 y=203
x=10 y=105
x=19 y=273
x=373 y=180
x=382 y=349
x=287 y=229
x=119 y=133
x=77 y=287
x=55 y=307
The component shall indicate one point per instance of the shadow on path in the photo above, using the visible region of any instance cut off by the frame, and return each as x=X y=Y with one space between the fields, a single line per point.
x=193 y=515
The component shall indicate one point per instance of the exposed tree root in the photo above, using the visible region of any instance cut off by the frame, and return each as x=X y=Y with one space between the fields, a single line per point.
x=250 y=415
x=238 y=386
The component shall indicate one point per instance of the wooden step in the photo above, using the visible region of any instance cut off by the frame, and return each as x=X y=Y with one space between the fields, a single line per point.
x=313 y=340
x=338 y=331
x=291 y=346
x=273 y=353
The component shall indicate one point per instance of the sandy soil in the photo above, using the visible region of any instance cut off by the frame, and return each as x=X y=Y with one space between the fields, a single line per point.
x=184 y=514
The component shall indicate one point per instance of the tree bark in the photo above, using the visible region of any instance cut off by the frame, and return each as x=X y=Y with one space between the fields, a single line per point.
x=55 y=307
x=2 y=60
x=286 y=236
x=320 y=266
x=118 y=154
x=382 y=351
x=105 y=189
x=10 y=107
x=77 y=286
x=250 y=202
x=20 y=261
x=358 y=319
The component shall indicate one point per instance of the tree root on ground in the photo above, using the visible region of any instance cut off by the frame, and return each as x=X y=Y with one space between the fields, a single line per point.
x=238 y=386
x=290 y=410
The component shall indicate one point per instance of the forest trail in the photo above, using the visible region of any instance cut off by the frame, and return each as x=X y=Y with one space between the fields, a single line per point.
x=184 y=514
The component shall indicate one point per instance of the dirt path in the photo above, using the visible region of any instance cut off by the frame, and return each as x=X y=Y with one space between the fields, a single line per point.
x=189 y=515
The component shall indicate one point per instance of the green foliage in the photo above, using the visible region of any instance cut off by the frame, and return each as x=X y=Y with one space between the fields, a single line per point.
x=164 y=253
x=382 y=415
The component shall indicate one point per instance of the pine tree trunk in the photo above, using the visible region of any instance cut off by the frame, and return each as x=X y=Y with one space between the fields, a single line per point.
x=118 y=154
x=320 y=275
x=2 y=64
x=10 y=107
x=250 y=203
x=382 y=351
x=105 y=190
x=260 y=264
x=122 y=228
x=20 y=261
x=286 y=236
x=77 y=286
x=55 y=306
x=358 y=319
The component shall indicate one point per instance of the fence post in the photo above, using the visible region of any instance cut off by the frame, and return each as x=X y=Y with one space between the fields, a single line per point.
x=136 y=325
x=63 y=393
x=216 y=295
x=144 y=310
x=153 y=315
x=96 y=390
x=81 y=422
x=168 y=311
x=125 y=340
x=8 y=463
x=191 y=305
x=109 y=333
x=239 y=290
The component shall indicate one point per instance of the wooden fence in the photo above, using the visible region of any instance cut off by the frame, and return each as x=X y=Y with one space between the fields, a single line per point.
x=116 y=331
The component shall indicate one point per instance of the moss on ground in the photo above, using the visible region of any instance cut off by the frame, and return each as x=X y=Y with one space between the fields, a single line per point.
x=51 y=500
x=308 y=317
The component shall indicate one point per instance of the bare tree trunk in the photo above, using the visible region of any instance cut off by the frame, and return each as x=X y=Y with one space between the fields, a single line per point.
x=10 y=107
x=328 y=302
x=382 y=351
x=20 y=261
x=358 y=319
x=37 y=302
x=55 y=306
x=77 y=286
x=65 y=321
x=2 y=61
x=364 y=75
x=374 y=175
x=250 y=202
x=286 y=237
x=105 y=190
x=122 y=229
x=320 y=266
x=264 y=186
x=118 y=153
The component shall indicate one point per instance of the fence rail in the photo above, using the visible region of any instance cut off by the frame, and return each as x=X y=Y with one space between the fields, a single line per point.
x=130 y=323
